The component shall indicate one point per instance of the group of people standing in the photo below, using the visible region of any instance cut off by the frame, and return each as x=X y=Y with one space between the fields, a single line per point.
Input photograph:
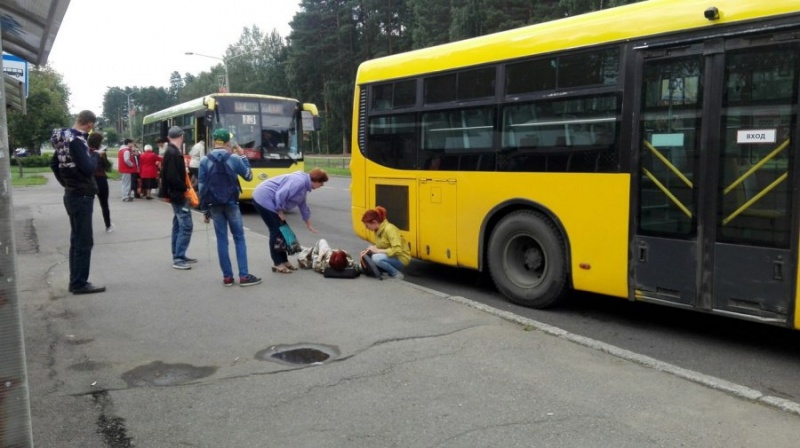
x=138 y=171
x=79 y=164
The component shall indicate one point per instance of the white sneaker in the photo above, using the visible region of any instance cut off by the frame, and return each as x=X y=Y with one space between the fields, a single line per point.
x=110 y=228
x=398 y=276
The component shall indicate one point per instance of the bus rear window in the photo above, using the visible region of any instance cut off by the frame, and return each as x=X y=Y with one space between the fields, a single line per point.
x=394 y=95
x=596 y=68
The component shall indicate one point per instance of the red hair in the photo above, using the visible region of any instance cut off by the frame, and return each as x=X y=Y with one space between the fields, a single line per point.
x=338 y=260
x=318 y=175
x=376 y=214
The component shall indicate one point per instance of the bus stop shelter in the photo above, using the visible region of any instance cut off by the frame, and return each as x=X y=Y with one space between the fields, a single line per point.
x=28 y=29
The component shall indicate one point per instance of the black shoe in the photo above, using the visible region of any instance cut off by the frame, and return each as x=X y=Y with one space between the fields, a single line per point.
x=189 y=260
x=180 y=264
x=88 y=288
x=249 y=280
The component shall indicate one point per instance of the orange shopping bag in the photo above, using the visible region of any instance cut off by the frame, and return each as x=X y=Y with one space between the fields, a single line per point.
x=190 y=194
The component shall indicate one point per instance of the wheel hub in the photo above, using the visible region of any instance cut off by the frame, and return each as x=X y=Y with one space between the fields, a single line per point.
x=533 y=259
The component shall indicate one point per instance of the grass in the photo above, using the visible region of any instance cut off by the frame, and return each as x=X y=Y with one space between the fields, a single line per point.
x=333 y=165
x=30 y=176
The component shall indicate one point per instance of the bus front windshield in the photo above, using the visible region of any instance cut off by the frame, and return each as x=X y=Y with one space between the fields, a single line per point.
x=265 y=129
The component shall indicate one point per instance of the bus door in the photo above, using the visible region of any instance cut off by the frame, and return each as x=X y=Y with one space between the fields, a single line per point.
x=714 y=219
x=398 y=197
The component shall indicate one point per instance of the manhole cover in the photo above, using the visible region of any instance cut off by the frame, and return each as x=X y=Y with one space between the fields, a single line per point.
x=299 y=354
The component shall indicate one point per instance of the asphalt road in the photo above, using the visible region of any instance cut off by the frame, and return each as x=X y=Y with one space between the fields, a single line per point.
x=753 y=355
x=170 y=358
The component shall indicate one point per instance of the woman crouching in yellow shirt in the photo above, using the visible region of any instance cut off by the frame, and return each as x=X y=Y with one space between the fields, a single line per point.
x=389 y=252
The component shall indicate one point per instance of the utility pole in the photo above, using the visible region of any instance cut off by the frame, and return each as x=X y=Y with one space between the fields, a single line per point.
x=224 y=66
x=130 y=124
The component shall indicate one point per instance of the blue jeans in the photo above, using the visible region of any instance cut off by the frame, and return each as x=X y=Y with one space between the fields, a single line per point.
x=391 y=265
x=273 y=222
x=81 y=240
x=224 y=216
x=181 y=229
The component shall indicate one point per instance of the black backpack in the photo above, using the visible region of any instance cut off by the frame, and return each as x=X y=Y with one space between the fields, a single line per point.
x=368 y=266
x=222 y=184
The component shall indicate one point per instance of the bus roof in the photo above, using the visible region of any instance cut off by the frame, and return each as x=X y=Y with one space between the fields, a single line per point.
x=637 y=20
x=200 y=104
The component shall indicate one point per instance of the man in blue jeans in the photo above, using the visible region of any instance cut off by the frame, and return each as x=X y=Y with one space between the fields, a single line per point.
x=173 y=188
x=218 y=187
x=74 y=166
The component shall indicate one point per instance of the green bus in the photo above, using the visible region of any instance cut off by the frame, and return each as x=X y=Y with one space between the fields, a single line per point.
x=268 y=128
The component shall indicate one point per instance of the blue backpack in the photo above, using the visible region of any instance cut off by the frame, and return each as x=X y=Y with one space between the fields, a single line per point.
x=222 y=185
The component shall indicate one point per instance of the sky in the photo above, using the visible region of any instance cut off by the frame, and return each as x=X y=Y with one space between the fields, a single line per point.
x=140 y=43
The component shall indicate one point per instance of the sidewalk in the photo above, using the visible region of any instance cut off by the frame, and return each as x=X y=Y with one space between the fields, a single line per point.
x=168 y=358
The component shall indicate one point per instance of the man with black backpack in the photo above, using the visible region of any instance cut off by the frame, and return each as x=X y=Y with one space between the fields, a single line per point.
x=218 y=187
x=74 y=165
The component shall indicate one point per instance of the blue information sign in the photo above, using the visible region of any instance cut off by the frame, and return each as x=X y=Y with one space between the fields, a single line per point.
x=16 y=68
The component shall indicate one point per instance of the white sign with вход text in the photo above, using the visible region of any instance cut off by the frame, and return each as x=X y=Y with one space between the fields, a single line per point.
x=749 y=136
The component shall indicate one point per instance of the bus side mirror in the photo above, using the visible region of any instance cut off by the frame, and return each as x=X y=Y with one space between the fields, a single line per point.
x=317 y=123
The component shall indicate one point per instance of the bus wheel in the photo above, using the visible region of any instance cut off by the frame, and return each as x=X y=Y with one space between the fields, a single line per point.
x=527 y=261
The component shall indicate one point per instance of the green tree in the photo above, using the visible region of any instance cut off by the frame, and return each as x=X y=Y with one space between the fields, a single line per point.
x=504 y=15
x=143 y=101
x=429 y=22
x=202 y=84
x=257 y=63
x=381 y=27
x=152 y=99
x=246 y=67
x=176 y=84
x=575 y=7
x=110 y=134
x=469 y=20
x=47 y=109
x=275 y=53
x=115 y=107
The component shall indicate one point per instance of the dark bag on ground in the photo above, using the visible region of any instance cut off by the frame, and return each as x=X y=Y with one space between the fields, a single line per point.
x=223 y=184
x=337 y=263
x=287 y=241
x=368 y=267
x=348 y=272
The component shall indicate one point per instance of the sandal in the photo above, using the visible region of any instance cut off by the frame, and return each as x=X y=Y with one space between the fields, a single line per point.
x=281 y=269
x=290 y=266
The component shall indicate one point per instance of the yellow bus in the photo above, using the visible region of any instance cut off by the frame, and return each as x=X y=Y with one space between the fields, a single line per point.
x=646 y=152
x=268 y=128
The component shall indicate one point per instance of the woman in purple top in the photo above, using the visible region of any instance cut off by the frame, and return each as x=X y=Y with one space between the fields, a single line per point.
x=273 y=197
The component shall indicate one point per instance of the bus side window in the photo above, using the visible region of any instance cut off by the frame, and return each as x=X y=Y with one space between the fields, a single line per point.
x=479 y=129
x=515 y=132
x=433 y=136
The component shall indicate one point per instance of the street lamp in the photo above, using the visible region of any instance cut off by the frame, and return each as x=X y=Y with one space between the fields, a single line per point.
x=224 y=65
x=130 y=128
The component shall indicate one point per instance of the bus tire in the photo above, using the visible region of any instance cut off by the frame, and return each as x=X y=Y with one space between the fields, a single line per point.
x=527 y=259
